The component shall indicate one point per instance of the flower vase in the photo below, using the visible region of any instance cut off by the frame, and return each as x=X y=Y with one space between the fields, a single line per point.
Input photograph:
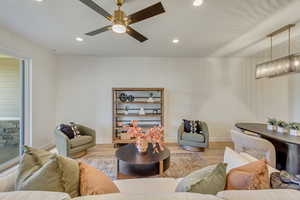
x=142 y=145
x=280 y=129
x=271 y=127
x=294 y=132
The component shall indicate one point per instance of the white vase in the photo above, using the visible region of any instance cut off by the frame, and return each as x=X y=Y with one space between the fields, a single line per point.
x=142 y=145
x=142 y=111
x=150 y=100
x=294 y=132
x=270 y=127
x=281 y=129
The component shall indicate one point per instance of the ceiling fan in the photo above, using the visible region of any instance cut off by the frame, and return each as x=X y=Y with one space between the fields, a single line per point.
x=121 y=22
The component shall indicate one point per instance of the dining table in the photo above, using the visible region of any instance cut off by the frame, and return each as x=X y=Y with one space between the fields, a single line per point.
x=287 y=146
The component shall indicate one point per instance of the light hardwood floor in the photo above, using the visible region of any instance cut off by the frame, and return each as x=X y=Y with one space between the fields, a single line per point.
x=215 y=149
x=182 y=162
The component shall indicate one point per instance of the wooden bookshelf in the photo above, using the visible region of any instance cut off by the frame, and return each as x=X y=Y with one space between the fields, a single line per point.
x=154 y=110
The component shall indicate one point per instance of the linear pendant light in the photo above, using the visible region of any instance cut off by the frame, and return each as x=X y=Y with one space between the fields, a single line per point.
x=280 y=66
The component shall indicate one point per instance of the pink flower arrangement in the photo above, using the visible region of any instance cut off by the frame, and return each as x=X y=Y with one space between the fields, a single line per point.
x=153 y=135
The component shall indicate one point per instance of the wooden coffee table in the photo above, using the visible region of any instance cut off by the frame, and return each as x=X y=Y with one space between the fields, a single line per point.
x=132 y=163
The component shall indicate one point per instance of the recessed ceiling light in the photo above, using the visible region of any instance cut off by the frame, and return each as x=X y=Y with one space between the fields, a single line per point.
x=79 y=39
x=175 y=41
x=39 y=0
x=198 y=3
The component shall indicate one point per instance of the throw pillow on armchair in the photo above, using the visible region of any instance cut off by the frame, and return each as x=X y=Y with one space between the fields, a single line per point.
x=67 y=130
x=192 y=126
x=70 y=130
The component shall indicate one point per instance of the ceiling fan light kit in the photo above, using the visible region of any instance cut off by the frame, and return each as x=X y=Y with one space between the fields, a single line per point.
x=281 y=66
x=120 y=22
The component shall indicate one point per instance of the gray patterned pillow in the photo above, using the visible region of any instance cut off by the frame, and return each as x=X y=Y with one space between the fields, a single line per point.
x=75 y=129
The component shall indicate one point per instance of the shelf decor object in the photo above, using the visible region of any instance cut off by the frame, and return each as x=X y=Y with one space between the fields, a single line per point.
x=280 y=66
x=150 y=99
x=142 y=111
x=136 y=108
x=123 y=97
x=130 y=98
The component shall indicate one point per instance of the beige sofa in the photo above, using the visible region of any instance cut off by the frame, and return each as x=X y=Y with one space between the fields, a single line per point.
x=152 y=189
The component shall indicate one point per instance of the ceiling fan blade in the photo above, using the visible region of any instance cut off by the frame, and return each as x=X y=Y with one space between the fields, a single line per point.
x=91 y=4
x=146 y=13
x=136 y=35
x=100 y=30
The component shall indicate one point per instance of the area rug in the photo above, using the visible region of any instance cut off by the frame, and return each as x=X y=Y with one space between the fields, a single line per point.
x=181 y=164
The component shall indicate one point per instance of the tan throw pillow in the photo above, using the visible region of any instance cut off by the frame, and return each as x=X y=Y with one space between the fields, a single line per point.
x=94 y=182
x=252 y=176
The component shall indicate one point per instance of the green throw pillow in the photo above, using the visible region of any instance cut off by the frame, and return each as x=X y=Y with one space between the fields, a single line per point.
x=69 y=169
x=208 y=180
x=44 y=171
x=213 y=182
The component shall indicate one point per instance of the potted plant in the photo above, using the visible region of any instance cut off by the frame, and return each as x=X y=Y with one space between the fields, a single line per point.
x=281 y=126
x=272 y=123
x=294 y=129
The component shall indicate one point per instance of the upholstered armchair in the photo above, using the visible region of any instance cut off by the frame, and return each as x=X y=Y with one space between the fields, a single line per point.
x=77 y=146
x=193 y=141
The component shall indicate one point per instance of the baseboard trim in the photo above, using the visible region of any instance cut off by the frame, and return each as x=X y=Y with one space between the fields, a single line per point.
x=103 y=141
x=220 y=139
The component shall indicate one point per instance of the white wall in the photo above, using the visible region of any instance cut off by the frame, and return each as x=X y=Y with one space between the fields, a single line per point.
x=43 y=84
x=214 y=90
x=294 y=97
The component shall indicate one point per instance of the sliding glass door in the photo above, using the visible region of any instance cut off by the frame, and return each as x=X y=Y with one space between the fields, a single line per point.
x=12 y=94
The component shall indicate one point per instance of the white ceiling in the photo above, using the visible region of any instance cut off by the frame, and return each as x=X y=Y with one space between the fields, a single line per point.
x=56 y=23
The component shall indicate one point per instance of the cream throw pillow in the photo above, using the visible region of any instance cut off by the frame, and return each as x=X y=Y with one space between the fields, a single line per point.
x=233 y=159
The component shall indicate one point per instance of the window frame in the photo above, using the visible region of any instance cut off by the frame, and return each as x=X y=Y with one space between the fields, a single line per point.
x=26 y=105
